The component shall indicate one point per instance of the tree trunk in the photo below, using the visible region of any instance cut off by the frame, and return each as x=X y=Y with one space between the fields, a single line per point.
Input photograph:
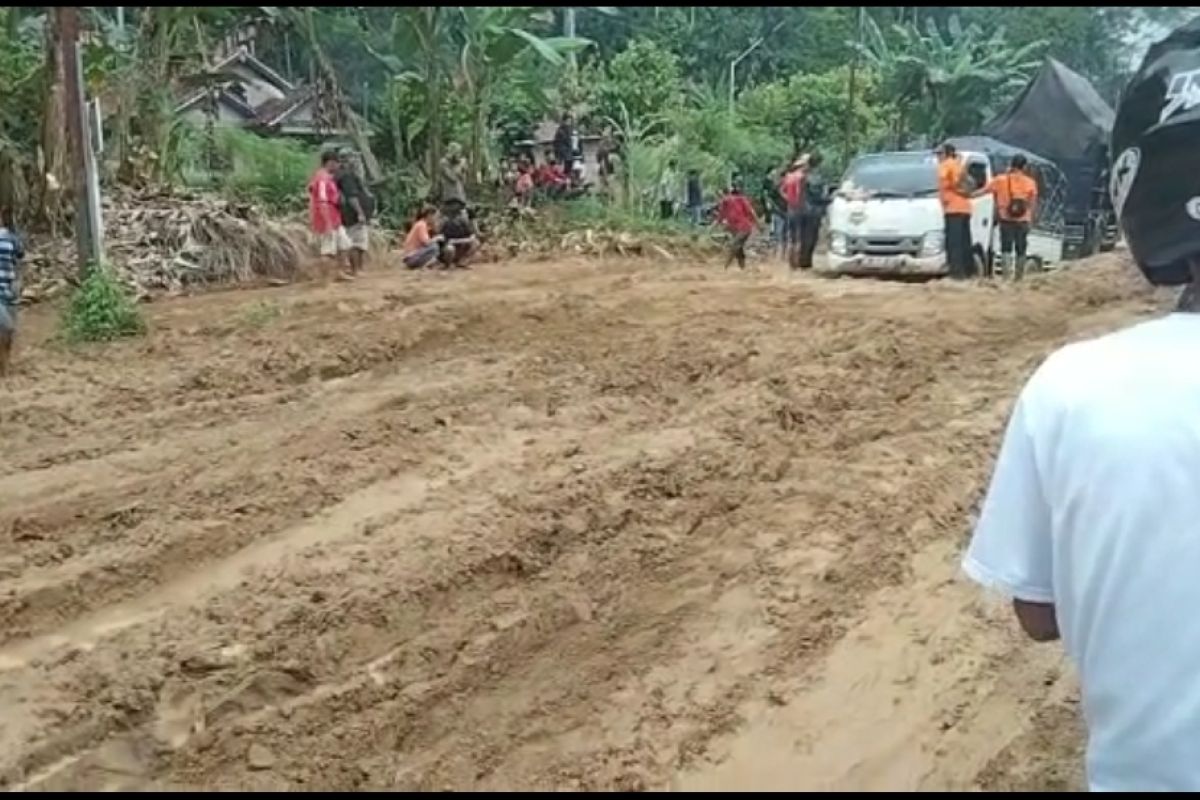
x=434 y=115
x=398 y=132
x=348 y=120
x=55 y=176
x=479 y=115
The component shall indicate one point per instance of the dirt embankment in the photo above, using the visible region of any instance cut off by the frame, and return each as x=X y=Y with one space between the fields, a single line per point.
x=575 y=525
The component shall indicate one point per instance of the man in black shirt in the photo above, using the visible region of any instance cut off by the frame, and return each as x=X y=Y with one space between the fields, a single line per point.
x=564 y=142
x=357 y=207
x=695 y=197
x=461 y=239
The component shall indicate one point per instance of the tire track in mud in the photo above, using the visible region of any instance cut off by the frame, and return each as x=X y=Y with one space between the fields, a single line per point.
x=701 y=484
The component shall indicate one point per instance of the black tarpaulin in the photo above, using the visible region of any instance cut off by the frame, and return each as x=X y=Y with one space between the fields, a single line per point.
x=1059 y=116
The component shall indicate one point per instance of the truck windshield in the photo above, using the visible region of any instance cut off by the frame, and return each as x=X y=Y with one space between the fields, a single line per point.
x=892 y=175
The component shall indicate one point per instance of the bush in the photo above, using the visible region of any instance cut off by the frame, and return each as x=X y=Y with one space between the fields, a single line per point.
x=102 y=309
x=590 y=212
x=270 y=172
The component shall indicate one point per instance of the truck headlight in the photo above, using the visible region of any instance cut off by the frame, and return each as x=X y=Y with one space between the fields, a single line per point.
x=838 y=245
x=933 y=243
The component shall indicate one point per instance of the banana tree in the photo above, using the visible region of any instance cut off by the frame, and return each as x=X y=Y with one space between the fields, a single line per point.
x=946 y=82
x=417 y=54
x=491 y=41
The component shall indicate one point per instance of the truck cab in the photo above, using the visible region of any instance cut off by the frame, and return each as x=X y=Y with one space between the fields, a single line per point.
x=886 y=217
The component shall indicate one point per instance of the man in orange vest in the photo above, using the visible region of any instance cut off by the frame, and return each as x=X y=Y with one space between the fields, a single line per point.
x=956 y=209
x=1016 y=194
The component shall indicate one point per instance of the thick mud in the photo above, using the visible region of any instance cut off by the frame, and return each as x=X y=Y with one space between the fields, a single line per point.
x=570 y=525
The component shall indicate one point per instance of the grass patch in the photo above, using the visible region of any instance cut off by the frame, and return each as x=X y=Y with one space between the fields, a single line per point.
x=261 y=314
x=102 y=309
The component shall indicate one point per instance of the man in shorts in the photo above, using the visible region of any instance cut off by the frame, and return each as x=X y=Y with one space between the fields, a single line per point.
x=11 y=254
x=357 y=207
x=325 y=213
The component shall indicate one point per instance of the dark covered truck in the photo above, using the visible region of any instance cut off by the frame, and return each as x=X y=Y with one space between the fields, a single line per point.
x=1061 y=117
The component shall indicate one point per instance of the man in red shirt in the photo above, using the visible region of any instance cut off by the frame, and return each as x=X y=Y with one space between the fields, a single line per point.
x=738 y=217
x=325 y=211
x=793 y=190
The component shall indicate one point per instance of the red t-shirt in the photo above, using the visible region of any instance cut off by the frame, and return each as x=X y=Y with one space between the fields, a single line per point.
x=737 y=213
x=792 y=189
x=324 y=202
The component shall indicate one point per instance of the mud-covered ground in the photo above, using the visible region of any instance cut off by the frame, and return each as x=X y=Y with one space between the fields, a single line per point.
x=564 y=525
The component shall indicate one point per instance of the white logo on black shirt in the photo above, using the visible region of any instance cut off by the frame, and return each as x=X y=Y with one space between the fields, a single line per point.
x=1124 y=171
x=1183 y=94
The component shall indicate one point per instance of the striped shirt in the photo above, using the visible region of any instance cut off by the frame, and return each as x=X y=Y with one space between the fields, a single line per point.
x=11 y=253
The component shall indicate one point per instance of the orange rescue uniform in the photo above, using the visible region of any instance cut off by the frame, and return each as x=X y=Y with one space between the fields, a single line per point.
x=1014 y=184
x=949 y=173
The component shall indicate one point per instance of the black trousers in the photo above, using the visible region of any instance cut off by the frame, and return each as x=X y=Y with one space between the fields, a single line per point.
x=959 y=257
x=810 y=231
x=1014 y=237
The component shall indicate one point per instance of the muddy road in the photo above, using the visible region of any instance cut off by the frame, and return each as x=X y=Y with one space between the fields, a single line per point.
x=561 y=525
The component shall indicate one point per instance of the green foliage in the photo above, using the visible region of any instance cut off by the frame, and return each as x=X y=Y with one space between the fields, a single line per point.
x=261 y=314
x=102 y=309
x=645 y=81
x=21 y=83
x=271 y=172
x=591 y=213
x=815 y=112
x=947 y=81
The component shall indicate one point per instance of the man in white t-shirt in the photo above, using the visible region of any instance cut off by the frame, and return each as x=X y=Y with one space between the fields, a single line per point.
x=1092 y=521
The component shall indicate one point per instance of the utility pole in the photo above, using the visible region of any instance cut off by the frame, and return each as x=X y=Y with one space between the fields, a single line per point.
x=733 y=64
x=77 y=144
x=848 y=135
x=569 y=31
x=121 y=21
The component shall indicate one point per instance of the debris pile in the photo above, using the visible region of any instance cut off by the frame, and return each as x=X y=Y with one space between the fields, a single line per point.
x=162 y=241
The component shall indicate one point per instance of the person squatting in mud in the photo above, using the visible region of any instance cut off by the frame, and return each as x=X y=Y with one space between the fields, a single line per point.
x=12 y=252
x=1092 y=520
x=738 y=217
x=459 y=240
x=421 y=246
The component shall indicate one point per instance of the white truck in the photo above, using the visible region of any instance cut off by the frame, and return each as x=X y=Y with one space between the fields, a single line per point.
x=886 y=219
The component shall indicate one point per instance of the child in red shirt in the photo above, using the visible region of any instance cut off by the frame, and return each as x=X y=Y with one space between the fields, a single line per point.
x=738 y=217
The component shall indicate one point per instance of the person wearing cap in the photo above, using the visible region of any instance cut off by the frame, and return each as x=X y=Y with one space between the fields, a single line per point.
x=1092 y=520
x=956 y=210
x=453 y=177
x=325 y=211
x=357 y=206
x=1016 y=196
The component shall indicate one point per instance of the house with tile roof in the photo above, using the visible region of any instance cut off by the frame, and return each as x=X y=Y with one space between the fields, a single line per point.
x=253 y=96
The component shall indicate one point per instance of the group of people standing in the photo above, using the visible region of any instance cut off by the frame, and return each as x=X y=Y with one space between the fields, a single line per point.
x=794 y=198
x=1016 y=195
x=340 y=212
x=341 y=209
